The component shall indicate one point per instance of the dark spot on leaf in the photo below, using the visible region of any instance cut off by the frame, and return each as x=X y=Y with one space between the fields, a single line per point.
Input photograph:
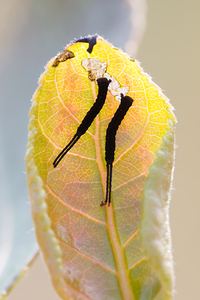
x=90 y=39
x=66 y=54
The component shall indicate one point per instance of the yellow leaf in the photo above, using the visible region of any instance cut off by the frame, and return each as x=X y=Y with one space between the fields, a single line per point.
x=121 y=251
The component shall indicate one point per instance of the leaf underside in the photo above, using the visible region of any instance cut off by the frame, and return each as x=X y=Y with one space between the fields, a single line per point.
x=116 y=252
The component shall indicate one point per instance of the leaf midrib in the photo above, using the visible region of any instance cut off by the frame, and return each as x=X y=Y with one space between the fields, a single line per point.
x=117 y=249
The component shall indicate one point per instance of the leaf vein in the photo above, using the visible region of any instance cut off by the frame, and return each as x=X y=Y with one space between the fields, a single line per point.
x=137 y=263
x=131 y=238
x=128 y=181
x=103 y=266
x=73 y=208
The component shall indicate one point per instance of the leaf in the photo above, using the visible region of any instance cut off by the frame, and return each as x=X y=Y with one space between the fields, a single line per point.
x=117 y=252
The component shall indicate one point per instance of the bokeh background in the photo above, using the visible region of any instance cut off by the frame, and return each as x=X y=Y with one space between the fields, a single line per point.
x=31 y=32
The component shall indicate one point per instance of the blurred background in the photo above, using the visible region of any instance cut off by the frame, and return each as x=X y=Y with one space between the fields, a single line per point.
x=31 y=32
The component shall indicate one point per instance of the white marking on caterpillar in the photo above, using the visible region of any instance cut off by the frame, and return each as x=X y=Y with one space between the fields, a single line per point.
x=97 y=69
